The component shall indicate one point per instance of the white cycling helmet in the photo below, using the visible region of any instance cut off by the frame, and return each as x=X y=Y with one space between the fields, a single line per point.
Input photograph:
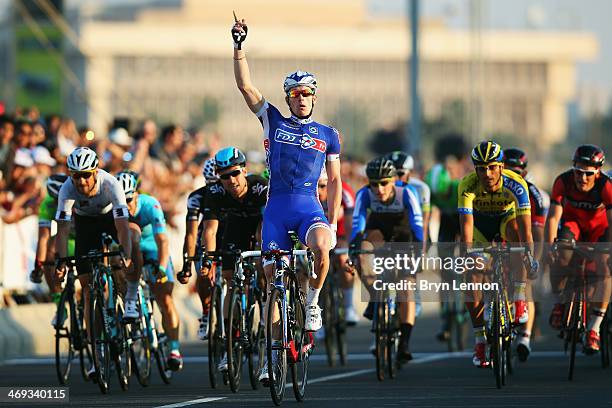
x=82 y=159
x=300 y=78
x=129 y=184
x=209 y=171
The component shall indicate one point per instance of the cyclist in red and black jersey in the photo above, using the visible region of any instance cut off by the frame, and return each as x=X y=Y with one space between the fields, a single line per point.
x=581 y=209
x=347 y=279
x=516 y=160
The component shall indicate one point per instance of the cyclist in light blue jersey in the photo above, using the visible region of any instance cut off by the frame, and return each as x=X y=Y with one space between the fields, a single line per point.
x=146 y=212
x=297 y=148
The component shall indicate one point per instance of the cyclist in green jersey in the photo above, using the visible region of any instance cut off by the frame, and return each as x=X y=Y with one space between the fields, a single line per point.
x=45 y=247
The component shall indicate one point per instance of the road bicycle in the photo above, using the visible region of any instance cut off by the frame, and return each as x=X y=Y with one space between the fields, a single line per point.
x=70 y=332
x=288 y=344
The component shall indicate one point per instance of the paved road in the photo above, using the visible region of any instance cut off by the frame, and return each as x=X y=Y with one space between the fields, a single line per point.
x=434 y=379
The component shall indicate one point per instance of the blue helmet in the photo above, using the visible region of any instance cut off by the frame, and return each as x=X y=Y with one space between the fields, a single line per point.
x=300 y=78
x=229 y=157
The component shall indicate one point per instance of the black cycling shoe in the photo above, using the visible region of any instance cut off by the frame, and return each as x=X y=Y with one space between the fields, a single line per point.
x=368 y=313
x=403 y=354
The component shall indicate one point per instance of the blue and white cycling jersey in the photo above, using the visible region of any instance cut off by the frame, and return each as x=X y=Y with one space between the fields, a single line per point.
x=150 y=218
x=405 y=203
x=296 y=151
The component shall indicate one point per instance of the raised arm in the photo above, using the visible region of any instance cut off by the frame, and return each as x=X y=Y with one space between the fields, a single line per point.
x=252 y=96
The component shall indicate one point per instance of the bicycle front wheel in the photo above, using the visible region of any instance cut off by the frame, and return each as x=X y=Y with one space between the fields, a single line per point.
x=99 y=341
x=234 y=339
x=573 y=332
x=302 y=341
x=85 y=355
x=275 y=350
x=497 y=340
x=121 y=352
x=140 y=350
x=257 y=343
x=64 y=330
x=215 y=337
x=381 y=339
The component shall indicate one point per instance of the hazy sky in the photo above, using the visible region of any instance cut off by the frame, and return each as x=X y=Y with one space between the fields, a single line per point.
x=589 y=15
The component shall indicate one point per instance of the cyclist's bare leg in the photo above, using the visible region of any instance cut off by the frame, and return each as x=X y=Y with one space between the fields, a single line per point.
x=49 y=270
x=516 y=262
x=345 y=275
x=318 y=239
x=132 y=274
x=84 y=280
x=602 y=289
x=204 y=288
x=170 y=318
x=269 y=270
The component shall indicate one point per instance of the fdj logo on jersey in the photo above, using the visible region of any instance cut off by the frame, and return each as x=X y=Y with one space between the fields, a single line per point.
x=304 y=141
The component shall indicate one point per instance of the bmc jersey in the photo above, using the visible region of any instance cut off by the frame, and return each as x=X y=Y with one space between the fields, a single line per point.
x=347 y=204
x=109 y=196
x=538 y=206
x=296 y=150
x=584 y=213
x=512 y=195
x=405 y=202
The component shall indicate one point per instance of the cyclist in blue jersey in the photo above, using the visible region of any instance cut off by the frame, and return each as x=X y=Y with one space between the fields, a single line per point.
x=146 y=212
x=387 y=212
x=297 y=148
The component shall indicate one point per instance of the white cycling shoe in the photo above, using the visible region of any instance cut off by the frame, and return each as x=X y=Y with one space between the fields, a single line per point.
x=351 y=316
x=203 y=329
x=131 y=310
x=313 y=318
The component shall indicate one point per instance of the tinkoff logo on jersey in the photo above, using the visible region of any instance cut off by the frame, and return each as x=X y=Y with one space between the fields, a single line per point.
x=304 y=141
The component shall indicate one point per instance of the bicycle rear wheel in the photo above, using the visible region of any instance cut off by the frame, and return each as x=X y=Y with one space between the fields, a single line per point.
x=234 y=339
x=276 y=353
x=329 y=324
x=64 y=330
x=302 y=342
x=215 y=337
x=340 y=323
x=99 y=341
x=381 y=340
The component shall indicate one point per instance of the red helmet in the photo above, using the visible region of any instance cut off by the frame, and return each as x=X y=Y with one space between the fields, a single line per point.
x=590 y=155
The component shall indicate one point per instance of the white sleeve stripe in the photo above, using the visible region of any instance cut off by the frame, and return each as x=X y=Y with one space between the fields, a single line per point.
x=333 y=157
x=263 y=109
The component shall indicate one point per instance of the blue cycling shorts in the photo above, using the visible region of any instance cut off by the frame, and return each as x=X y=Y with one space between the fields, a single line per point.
x=290 y=212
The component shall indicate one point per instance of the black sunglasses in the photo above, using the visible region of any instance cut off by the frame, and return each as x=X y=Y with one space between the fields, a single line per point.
x=82 y=175
x=227 y=176
x=383 y=183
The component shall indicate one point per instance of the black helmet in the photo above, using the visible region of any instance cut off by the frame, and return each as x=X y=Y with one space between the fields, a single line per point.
x=380 y=168
x=515 y=157
x=590 y=155
x=402 y=161
x=486 y=153
x=54 y=183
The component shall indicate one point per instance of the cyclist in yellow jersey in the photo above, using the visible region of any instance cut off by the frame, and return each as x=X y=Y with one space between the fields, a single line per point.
x=492 y=201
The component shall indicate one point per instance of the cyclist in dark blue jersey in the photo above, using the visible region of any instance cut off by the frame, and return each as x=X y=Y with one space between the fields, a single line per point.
x=297 y=148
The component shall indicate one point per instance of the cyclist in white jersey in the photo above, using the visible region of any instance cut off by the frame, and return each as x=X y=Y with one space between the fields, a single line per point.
x=99 y=205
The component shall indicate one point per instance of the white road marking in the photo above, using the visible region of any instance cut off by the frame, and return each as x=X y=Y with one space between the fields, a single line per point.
x=191 y=402
x=420 y=358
